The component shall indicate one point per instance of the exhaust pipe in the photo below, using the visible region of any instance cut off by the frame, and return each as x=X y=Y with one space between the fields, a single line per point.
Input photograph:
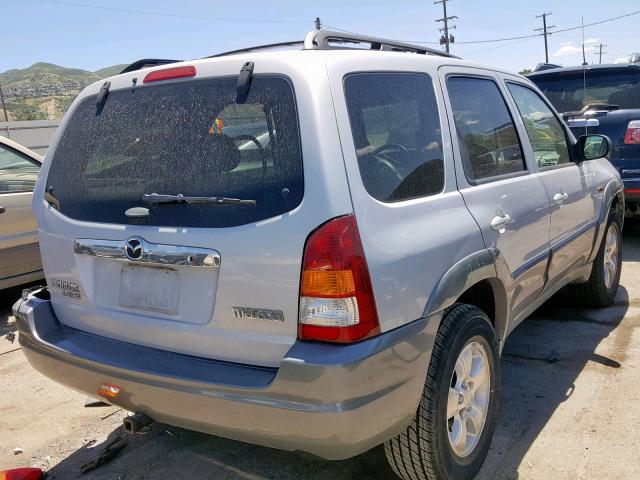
x=136 y=422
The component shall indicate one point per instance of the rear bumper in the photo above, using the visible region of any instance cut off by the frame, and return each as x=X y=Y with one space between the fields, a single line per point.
x=332 y=401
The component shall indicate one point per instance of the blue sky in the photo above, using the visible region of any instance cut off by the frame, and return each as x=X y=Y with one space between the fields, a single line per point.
x=66 y=33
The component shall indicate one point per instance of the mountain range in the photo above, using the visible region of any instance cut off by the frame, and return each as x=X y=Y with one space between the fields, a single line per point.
x=44 y=90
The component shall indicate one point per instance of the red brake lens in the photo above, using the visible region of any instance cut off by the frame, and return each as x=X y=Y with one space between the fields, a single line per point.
x=170 y=73
x=632 y=136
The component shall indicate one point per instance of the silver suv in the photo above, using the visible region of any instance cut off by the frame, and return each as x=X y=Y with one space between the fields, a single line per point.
x=319 y=249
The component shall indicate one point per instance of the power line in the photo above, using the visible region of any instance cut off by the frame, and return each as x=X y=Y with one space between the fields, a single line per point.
x=173 y=15
x=446 y=39
x=545 y=32
x=600 y=52
x=4 y=107
x=493 y=40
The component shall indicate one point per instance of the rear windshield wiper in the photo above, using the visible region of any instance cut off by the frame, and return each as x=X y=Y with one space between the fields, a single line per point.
x=159 y=199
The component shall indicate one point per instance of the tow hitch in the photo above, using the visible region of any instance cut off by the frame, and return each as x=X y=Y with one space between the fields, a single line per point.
x=135 y=423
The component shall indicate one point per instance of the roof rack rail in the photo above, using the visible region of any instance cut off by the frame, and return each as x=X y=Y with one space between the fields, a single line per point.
x=327 y=40
x=147 y=62
x=259 y=47
x=331 y=40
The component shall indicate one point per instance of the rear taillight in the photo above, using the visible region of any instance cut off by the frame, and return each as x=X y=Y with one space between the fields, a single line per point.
x=336 y=296
x=170 y=74
x=632 y=137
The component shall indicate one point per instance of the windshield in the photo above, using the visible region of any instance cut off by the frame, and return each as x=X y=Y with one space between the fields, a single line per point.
x=182 y=138
x=566 y=90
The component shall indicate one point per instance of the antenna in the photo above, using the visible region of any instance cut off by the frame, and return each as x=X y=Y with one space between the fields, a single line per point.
x=584 y=78
x=584 y=58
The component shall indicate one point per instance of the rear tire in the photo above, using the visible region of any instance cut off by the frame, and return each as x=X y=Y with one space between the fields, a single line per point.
x=601 y=288
x=432 y=447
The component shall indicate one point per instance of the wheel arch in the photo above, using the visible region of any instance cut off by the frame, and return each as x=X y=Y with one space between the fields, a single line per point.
x=612 y=200
x=473 y=280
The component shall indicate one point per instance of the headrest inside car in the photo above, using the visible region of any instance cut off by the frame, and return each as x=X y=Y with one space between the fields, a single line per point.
x=218 y=153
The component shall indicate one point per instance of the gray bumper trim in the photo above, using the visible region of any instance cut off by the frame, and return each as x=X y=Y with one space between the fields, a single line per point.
x=330 y=400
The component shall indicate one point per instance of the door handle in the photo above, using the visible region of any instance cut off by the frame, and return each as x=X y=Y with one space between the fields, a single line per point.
x=2 y=209
x=559 y=198
x=499 y=222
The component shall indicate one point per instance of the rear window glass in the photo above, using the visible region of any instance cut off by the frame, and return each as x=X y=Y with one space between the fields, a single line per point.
x=188 y=138
x=567 y=93
x=396 y=132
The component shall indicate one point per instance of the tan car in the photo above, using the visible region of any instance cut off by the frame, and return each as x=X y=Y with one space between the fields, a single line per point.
x=19 y=253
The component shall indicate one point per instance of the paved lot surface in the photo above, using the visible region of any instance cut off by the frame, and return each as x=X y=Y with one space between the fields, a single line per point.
x=570 y=409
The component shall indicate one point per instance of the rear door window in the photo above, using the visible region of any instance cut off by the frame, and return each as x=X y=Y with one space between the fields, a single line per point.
x=188 y=138
x=489 y=143
x=396 y=132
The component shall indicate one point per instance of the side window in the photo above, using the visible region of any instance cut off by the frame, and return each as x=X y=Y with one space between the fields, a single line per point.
x=17 y=174
x=547 y=136
x=396 y=132
x=488 y=139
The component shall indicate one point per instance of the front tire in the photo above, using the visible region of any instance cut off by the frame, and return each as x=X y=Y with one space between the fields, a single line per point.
x=450 y=434
x=601 y=288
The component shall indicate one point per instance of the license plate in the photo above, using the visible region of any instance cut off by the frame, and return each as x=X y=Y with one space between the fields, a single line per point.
x=146 y=288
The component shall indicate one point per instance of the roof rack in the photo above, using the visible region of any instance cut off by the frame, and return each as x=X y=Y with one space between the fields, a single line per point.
x=147 y=62
x=315 y=40
x=330 y=40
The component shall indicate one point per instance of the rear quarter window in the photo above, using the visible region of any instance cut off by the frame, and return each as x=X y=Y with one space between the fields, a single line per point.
x=188 y=138
x=396 y=133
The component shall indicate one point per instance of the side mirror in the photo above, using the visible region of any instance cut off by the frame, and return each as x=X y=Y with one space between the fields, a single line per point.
x=594 y=146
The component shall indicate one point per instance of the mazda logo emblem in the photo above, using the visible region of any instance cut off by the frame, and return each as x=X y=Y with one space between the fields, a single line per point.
x=133 y=248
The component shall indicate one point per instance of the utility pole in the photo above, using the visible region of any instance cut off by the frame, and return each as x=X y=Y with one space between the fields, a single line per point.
x=600 y=52
x=318 y=23
x=445 y=39
x=4 y=107
x=545 y=29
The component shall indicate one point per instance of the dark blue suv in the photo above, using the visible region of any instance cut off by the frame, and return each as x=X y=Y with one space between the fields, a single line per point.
x=601 y=99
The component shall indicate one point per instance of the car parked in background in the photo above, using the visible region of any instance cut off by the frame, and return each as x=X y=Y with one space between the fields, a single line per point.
x=348 y=282
x=19 y=253
x=601 y=99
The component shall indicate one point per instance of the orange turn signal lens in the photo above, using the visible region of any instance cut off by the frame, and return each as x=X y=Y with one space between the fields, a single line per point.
x=108 y=390
x=328 y=283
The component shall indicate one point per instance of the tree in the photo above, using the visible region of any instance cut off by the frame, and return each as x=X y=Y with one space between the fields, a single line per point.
x=526 y=71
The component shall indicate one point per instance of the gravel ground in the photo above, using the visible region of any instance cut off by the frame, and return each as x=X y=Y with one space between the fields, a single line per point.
x=570 y=409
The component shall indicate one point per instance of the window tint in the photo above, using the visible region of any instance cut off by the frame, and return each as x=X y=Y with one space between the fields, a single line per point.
x=17 y=174
x=188 y=138
x=566 y=90
x=547 y=136
x=396 y=132
x=489 y=144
